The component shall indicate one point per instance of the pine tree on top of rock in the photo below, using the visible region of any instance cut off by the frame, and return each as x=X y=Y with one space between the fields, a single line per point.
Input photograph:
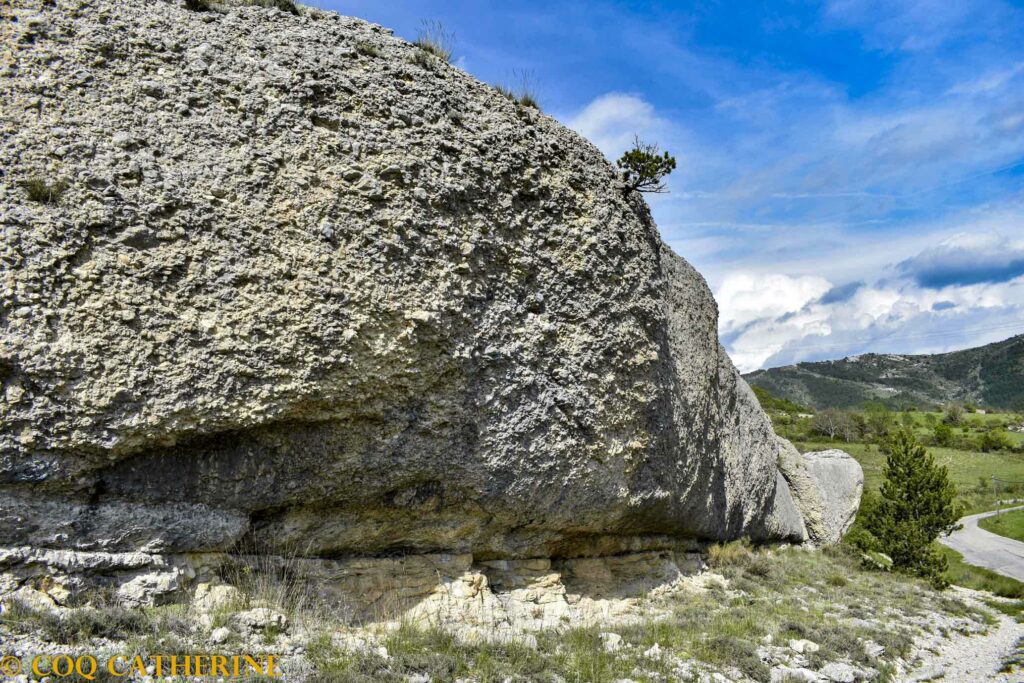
x=645 y=166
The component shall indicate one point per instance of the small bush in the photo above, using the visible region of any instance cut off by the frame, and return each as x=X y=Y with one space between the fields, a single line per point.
x=954 y=414
x=528 y=100
x=645 y=166
x=740 y=653
x=995 y=440
x=435 y=39
x=38 y=190
x=77 y=625
x=368 y=49
x=85 y=623
x=283 y=5
x=199 y=5
x=505 y=92
x=943 y=434
x=837 y=580
x=736 y=553
x=421 y=57
x=523 y=94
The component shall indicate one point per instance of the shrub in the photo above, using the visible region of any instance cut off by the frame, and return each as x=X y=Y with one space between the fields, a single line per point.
x=199 y=5
x=110 y=622
x=837 y=580
x=729 y=554
x=645 y=166
x=833 y=423
x=38 y=190
x=435 y=39
x=421 y=58
x=505 y=92
x=995 y=440
x=954 y=414
x=283 y=5
x=368 y=49
x=943 y=434
x=528 y=100
x=916 y=506
x=522 y=95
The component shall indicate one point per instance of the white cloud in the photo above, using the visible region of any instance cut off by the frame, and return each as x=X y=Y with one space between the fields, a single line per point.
x=771 y=319
x=993 y=80
x=746 y=297
x=829 y=221
x=611 y=120
x=966 y=258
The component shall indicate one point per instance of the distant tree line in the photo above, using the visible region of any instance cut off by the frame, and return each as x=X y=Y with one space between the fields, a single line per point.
x=955 y=427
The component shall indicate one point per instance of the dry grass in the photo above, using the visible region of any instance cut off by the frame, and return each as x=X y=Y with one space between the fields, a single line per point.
x=43 y=192
x=436 y=40
x=736 y=553
x=367 y=49
x=523 y=93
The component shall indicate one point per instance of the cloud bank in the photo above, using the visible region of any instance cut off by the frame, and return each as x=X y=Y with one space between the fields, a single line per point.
x=957 y=294
x=837 y=212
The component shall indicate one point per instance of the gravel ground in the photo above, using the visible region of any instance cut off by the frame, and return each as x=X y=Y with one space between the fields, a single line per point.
x=971 y=657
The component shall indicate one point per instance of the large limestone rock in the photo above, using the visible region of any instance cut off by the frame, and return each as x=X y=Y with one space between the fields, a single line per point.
x=840 y=482
x=827 y=486
x=305 y=293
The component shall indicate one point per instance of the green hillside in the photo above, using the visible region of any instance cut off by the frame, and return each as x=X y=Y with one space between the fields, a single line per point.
x=988 y=376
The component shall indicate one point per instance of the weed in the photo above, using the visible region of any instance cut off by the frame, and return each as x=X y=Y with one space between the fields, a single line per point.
x=733 y=651
x=529 y=100
x=735 y=553
x=1011 y=608
x=367 y=49
x=837 y=580
x=422 y=58
x=284 y=5
x=523 y=94
x=38 y=190
x=436 y=40
x=505 y=92
x=1014 y=660
x=80 y=625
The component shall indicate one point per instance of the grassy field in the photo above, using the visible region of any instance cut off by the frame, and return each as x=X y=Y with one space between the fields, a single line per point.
x=975 y=473
x=1009 y=524
x=967 y=575
x=971 y=471
x=967 y=469
x=974 y=423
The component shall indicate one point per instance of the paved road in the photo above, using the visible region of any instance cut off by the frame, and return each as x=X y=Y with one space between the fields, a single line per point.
x=985 y=549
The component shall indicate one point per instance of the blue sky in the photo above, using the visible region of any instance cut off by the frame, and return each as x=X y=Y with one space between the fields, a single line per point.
x=851 y=172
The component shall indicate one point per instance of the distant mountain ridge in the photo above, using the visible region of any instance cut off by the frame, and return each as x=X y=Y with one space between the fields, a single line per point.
x=991 y=375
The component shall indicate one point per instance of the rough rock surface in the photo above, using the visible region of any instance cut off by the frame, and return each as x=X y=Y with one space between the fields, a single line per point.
x=304 y=290
x=840 y=482
x=827 y=486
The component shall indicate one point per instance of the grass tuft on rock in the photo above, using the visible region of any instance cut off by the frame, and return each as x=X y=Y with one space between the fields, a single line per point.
x=43 y=192
x=289 y=6
x=523 y=94
x=367 y=49
x=434 y=39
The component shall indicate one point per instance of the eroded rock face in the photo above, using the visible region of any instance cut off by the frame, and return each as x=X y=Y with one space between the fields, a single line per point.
x=827 y=486
x=305 y=293
x=840 y=482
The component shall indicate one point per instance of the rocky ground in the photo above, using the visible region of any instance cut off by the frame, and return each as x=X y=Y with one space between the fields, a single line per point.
x=749 y=615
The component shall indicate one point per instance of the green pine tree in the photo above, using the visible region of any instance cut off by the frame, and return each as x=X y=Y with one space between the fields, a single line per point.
x=917 y=504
